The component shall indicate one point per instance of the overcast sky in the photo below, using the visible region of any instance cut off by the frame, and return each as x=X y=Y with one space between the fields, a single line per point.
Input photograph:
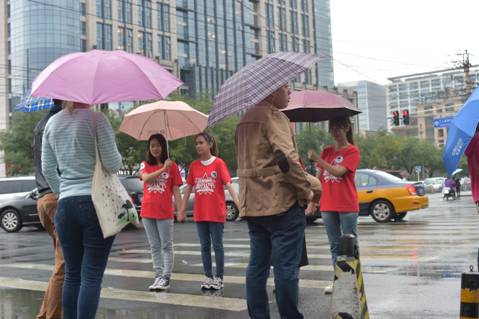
x=377 y=39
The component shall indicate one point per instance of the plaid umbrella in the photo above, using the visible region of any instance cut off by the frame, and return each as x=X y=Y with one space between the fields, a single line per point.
x=33 y=104
x=256 y=81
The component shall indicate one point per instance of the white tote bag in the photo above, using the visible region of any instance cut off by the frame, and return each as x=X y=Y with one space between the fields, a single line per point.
x=113 y=205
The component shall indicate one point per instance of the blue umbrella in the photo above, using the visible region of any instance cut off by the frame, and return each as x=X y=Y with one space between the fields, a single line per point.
x=33 y=104
x=460 y=132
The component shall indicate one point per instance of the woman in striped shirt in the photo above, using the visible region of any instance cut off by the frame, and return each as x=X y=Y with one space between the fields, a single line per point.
x=68 y=162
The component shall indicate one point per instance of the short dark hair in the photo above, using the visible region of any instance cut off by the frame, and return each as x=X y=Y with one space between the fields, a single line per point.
x=150 y=159
x=210 y=140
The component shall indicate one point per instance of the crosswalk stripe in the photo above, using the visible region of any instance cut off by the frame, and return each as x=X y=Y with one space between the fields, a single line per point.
x=227 y=253
x=303 y=283
x=219 y=303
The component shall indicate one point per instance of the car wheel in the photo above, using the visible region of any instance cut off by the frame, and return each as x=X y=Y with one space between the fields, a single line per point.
x=231 y=211
x=399 y=216
x=381 y=211
x=10 y=220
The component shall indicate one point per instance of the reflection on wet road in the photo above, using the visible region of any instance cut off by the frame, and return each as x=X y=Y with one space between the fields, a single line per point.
x=411 y=269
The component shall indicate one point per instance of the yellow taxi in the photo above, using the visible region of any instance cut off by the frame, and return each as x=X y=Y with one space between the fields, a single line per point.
x=386 y=197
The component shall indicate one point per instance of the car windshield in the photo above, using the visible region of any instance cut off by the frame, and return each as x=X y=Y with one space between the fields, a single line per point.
x=388 y=177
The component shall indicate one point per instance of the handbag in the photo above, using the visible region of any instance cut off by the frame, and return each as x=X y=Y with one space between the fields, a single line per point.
x=113 y=204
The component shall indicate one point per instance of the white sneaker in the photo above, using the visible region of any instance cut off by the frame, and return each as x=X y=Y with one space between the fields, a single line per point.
x=328 y=290
x=217 y=283
x=154 y=284
x=207 y=283
x=163 y=284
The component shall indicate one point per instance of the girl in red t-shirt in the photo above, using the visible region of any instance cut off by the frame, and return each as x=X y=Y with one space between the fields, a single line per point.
x=161 y=179
x=208 y=175
x=336 y=171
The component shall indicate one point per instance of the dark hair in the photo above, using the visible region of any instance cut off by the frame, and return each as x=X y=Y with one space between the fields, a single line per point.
x=343 y=122
x=210 y=140
x=164 y=150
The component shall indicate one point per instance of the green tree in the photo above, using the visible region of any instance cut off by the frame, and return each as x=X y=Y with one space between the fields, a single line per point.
x=17 y=142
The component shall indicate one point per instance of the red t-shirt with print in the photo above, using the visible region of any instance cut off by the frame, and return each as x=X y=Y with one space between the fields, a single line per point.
x=208 y=182
x=339 y=193
x=157 y=200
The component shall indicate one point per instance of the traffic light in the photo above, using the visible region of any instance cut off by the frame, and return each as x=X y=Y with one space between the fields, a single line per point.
x=405 y=117
x=396 y=118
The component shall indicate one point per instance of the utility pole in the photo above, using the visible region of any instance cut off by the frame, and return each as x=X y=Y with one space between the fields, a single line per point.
x=465 y=64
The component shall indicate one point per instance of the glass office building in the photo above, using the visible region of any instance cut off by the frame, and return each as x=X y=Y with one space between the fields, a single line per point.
x=38 y=33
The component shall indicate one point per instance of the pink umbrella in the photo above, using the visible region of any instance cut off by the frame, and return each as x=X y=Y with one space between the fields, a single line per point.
x=104 y=76
x=315 y=106
x=173 y=119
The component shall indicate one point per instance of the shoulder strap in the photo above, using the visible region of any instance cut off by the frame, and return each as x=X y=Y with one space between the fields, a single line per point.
x=95 y=137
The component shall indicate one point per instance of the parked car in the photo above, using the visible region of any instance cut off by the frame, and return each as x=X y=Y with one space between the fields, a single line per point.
x=232 y=212
x=16 y=185
x=384 y=196
x=20 y=209
x=434 y=184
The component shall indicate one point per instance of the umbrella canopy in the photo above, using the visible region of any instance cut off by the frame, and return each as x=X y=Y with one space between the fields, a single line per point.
x=460 y=132
x=315 y=106
x=33 y=104
x=256 y=81
x=104 y=76
x=173 y=119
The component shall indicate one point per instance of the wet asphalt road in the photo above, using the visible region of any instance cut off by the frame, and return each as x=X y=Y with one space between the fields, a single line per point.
x=411 y=269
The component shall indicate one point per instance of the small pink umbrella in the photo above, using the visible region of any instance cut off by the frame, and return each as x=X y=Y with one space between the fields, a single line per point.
x=315 y=106
x=173 y=119
x=104 y=76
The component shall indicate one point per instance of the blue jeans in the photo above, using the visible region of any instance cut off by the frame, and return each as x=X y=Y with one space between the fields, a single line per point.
x=211 y=232
x=336 y=225
x=86 y=255
x=160 y=237
x=278 y=241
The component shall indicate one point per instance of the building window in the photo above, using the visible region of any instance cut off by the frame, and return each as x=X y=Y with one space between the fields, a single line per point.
x=83 y=28
x=103 y=36
x=304 y=5
x=103 y=9
x=306 y=46
x=83 y=45
x=293 y=4
x=305 y=21
x=83 y=8
x=121 y=38
x=282 y=18
x=270 y=41
x=270 y=15
x=129 y=40
x=164 y=17
x=283 y=42
x=294 y=22
x=149 y=45
x=124 y=11
x=164 y=43
x=295 y=43
x=144 y=14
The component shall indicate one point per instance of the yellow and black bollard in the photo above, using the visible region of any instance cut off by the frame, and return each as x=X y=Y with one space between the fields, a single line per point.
x=470 y=294
x=349 y=298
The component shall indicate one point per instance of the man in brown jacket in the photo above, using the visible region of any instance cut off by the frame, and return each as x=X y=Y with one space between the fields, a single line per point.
x=274 y=191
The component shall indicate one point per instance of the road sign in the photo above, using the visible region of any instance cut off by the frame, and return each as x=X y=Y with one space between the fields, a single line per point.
x=442 y=122
x=417 y=169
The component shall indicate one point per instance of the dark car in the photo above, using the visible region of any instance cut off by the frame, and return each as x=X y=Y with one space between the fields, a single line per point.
x=20 y=209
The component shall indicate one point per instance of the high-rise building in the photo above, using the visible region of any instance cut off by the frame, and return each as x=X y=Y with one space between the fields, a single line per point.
x=408 y=91
x=371 y=99
x=202 y=41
